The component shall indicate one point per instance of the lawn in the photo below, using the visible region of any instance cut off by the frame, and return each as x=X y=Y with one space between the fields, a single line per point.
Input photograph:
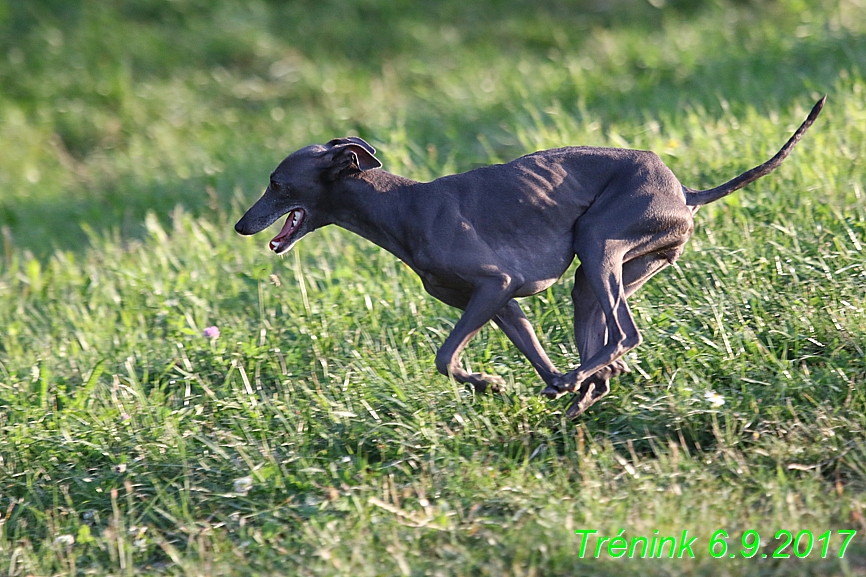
x=313 y=435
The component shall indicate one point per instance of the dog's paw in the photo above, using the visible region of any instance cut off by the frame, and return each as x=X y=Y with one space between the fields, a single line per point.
x=558 y=387
x=551 y=392
x=482 y=383
x=591 y=391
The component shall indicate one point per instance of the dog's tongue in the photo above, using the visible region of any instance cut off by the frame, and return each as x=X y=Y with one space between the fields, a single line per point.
x=288 y=228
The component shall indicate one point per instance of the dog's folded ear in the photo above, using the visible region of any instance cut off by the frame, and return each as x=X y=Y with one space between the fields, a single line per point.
x=352 y=140
x=351 y=154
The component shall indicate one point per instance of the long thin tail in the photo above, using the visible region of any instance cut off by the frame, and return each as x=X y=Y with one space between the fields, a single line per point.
x=702 y=197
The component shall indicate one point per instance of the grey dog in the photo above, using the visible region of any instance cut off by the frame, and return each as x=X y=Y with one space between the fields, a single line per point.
x=482 y=238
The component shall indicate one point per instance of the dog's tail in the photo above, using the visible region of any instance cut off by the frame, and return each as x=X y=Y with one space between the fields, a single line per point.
x=701 y=197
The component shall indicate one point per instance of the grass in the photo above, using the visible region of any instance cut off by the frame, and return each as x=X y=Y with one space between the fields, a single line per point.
x=314 y=436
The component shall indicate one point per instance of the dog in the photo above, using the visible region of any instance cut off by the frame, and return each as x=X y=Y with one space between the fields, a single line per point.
x=483 y=238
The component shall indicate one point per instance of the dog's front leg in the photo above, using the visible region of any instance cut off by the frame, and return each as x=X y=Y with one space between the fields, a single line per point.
x=519 y=330
x=486 y=301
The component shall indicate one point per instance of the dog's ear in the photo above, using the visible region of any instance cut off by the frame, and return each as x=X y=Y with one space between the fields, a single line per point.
x=351 y=154
x=353 y=140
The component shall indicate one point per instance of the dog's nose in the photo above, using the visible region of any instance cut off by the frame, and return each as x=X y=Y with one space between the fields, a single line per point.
x=239 y=227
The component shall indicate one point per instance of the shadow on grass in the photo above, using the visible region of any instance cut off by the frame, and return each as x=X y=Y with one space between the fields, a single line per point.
x=767 y=74
x=45 y=225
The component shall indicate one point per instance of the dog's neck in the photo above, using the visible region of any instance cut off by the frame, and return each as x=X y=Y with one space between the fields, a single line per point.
x=371 y=204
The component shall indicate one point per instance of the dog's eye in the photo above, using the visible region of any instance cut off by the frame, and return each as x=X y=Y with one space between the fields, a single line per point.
x=274 y=184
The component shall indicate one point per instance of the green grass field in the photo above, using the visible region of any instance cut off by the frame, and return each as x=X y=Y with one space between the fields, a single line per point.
x=314 y=435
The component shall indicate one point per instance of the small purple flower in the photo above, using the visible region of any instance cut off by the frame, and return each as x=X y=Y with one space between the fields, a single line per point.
x=211 y=333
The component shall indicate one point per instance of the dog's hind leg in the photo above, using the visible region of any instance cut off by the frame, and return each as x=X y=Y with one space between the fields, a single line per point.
x=590 y=335
x=519 y=330
x=590 y=330
x=640 y=214
x=602 y=265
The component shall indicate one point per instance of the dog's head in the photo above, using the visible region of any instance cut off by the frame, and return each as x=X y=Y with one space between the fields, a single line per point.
x=300 y=187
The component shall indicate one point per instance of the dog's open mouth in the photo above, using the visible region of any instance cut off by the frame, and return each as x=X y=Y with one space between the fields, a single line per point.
x=283 y=241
